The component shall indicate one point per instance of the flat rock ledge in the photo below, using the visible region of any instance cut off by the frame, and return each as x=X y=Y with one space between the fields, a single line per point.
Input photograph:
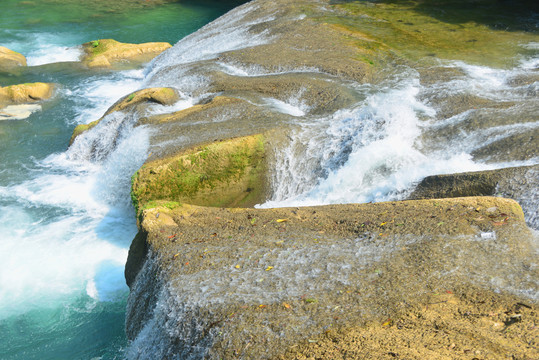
x=518 y=183
x=446 y=279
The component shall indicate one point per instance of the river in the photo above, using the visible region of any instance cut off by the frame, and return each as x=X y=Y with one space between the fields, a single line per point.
x=67 y=221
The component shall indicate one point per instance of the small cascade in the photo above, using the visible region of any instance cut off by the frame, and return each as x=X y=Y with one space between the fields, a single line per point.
x=229 y=32
x=379 y=149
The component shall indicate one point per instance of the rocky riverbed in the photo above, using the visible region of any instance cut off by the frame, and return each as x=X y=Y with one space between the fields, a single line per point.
x=438 y=278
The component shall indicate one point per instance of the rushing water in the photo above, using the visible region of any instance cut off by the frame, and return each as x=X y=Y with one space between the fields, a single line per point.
x=66 y=220
x=377 y=150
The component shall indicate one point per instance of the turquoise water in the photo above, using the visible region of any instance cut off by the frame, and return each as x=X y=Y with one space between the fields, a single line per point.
x=66 y=221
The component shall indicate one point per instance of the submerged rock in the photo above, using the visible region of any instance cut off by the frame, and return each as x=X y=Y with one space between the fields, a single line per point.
x=10 y=59
x=106 y=53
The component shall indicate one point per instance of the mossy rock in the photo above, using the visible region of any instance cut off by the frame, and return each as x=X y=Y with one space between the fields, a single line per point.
x=106 y=53
x=79 y=129
x=478 y=32
x=227 y=173
x=10 y=59
x=162 y=96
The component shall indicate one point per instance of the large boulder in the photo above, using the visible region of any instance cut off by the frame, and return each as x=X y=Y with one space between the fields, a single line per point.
x=321 y=281
x=442 y=278
x=107 y=53
x=10 y=59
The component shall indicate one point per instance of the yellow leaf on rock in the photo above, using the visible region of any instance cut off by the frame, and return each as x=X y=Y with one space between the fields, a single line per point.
x=281 y=220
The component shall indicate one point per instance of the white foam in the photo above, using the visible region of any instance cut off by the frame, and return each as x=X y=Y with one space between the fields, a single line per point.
x=368 y=154
x=45 y=48
x=531 y=45
x=18 y=112
x=67 y=230
x=236 y=69
x=49 y=53
x=95 y=95
x=48 y=262
x=181 y=104
x=229 y=32
x=285 y=107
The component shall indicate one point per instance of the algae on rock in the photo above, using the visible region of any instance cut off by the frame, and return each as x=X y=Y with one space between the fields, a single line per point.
x=106 y=53
x=135 y=100
x=229 y=173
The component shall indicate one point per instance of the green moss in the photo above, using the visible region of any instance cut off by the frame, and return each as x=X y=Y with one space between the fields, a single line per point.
x=482 y=32
x=130 y=97
x=228 y=173
x=171 y=205
x=97 y=47
x=82 y=128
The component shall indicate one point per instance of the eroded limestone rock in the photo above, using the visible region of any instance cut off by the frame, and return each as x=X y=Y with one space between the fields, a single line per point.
x=518 y=183
x=229 y=173
x=106 y=53
x=136 y=101
x=258 y=283
x=25 y=93
x=302 y=282
x=10 y=59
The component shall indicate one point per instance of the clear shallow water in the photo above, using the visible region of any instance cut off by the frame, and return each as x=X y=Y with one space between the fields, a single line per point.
x=66 y=221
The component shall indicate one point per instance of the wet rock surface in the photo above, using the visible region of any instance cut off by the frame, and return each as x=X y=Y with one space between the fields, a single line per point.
x=254 y=283
x=518 y=183
x=134 y=102
x=411 y=278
